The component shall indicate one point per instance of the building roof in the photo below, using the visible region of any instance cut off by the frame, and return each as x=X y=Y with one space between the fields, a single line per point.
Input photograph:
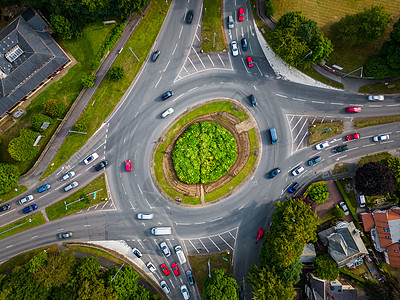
x=309 y=254
x=330 y=290
x=28 y=57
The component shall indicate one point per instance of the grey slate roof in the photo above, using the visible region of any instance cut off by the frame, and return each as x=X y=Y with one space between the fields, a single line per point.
x=40 y=59
x=309 y=254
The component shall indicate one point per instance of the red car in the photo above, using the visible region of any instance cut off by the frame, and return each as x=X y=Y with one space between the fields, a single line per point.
x=164 y=268
x=353 y=109
x=128 y=166
x=260 y=234
x=353 y=136
x=175 y=269
x=241 y=14
x=249 y=61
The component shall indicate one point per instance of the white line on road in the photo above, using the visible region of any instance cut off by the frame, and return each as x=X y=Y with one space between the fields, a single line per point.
x=158 y=82
x=279 y=95
x=371 y=105
x=123 y=187
x=178 y=97
x=259 y=69
x=369 y=145
x=392 y=105
x=333 y=103
x=151 y=207
x=213 y=220
x=211 y=60
x=140 y=189
x=175 y=48
x=87 y=225
x=192 y=89
x=387 y=142
x=214 y=244
x=225 y=242
x=231 y=235
x=255 y=87
x=221 y=61
x=241 y=207
x=171 y=283
x=198 y=57
x=198 y=223
x=203 y=245
x=132 y=207
x=193 y=246
x=340 y=157
x=34 y=237
x=353 y=149
x=297 y=99
x=9 y=246
x=167 y=65
x=8 y=212
x=184 y=224
x=61 y=229
x=319 y=102
x=192 y=64
x=180 y=32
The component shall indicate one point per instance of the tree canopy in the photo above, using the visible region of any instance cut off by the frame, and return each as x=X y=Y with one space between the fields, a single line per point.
x=8 y=177
x=374 y=179
x=317 y=192
x=21 y=148
x=220 y=286
x=326 y=268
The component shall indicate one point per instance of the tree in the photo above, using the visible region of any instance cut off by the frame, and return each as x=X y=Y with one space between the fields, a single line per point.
x=338 y=213
x=38 y=120
x=21 y=148
x=220 y=286
x=94 y=288
x=387 y=290
x=36 y=262
x=61 y=26
x=53 y=108
x=88 y=267
x=377 y=67
x=8 y=177
x=116 y=73
x=374 y=179
x=269 y=8
x=326 y=268
x=291 y=274
x=88 y=80
x=318 y=192
x=267 y=285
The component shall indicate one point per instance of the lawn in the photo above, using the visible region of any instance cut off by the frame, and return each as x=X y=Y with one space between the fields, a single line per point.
x=393 y=87
x=340 y=168
x=72 y=203
x=200 y=269
x=213 y=23
x=66 y=89
x=320 y=131
x=13 y=193
x=94 y=251
x=373 y=158
x=327 y=12
x=110 y=92
x=26 y=223
x=366 y=122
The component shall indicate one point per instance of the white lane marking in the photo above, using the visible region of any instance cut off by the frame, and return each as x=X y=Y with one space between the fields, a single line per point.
x=123 y=187
x=9 y=246
x=197 y=37
x=333 y=103
x=132 y=207
x=241 y=207
x=180 y=33
x=389 y=105
x=297 y=99
x=232 y=235
x=369 y=145
x=158 y=82
x=214 y=244
x=221 y=61
x=279 y=95
x=87 y=225
x=319 y=102
x=198 y=223
x=198 y=57
x=225 y=242
x=304 y=123
x=148 y=203
x=177 y=97
x=175 y=48
x=8 y=212
x=183 y=224
x=353 y=149
x=34 y=237
x=255 y=87
x=370 y=105
x=203 y=245
x=213 y=220
x=172 y=283
x=61 y=229
x=167 y=65
x=295 y=125
x=140 y=189
x=193 y=246
x=192 y=89
x=192 y=64
x=259 y=69
x=211 y=60
x=340 y=157
x=387 y=142
x=366 y=137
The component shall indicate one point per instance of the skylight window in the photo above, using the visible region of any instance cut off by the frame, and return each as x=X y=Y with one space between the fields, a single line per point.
x=14 y=53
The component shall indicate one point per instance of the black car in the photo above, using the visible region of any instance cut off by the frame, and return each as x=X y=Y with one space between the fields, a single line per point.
x=314 y=160
x=101 y=165
x=274 y=172
x=253 y=101
x=293 y=187
x=244 y=44
x=166 y=95
x=189 y=17
x=5 y=207
x=190 y=277
x=155 y=55
x=340 y=149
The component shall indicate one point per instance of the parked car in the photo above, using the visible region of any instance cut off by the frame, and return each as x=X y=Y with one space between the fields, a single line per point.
x=273 y=173
x=235 y=50
x=185 y=292
x=29 y=208
x=343 y=206
x=353 y=136
x=101 y=165
x=71 y=186
x=44 y=188
x=361 y=200
x=151 y=267
x=353 y=109
x=90 y=158
x=189 y=17
x=249 y=61
x=145 y=216
x=165 y=249
x=175 y=269
x=296 y=171
x=167 y=112
x=155 y=55
x=260 y=233
x=65 y=235
x=376 y=98
x=252 y=100
x=26 y=199
x=190 y=277
x=380 y=138
x=241 y=14
x=165 y=287
x=5 y=207
x=322 y=145
x=293 y=187
x=137 y=252
x=314 y=160
x=68 y=175
x=244 y=44
x=167 y=95
x=128 y=165
x=165 y=270
x=340 y=148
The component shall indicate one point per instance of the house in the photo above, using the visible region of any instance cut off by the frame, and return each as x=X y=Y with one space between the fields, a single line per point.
x=308 y=256
x=319 y=289
x=29 y=57
x=384 y=228
x=345 y=245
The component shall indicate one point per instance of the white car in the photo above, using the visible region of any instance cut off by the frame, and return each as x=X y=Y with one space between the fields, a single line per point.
x=145 y=216
x=165 y=249
x=164 y=287
x=151 y=267
x=379 y=138
x=71 y=186
x=68 y=176
x=321 y=146
x=235 y=50
x=137 y=252
x=344 y=207
x=185 y=292
x=26 y=199
x=167 y=112
x=297 y=170
x=90 y=158
x=376 y=98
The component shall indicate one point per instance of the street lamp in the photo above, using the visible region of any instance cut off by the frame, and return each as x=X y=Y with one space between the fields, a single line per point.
x=306 y=55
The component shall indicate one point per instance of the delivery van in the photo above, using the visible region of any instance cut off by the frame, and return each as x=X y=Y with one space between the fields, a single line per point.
x=180 y=254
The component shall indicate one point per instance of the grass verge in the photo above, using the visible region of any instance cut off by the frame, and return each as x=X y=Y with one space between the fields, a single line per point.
x=373 y=158
x=110 y=92
x=393 y=87
x=199 y=265
x=340 y=168
x=58 y=209
x=23 y=258
x=320 y=131
x=13 y=193
x=361 y=123
x=213 y=23
x=21 y=225
x=95 y=252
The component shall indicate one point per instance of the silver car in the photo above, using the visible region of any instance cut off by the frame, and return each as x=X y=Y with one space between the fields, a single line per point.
x=167 y=112
x=376 y=98
x=379 y=138
x=165 y=249
x=235 y=50
x=321 y=146
x=26 y=199
x=71 y=186
x=164 y=287
x=297 y=170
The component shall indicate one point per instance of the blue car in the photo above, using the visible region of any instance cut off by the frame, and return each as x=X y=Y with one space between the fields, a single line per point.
x=244 y=44
x=44 y=188
x=293 y=187
x=273 y=173
x=166 y=95
x=29 y=208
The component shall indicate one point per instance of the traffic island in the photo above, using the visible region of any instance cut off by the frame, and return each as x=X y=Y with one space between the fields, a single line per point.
x=232 y=117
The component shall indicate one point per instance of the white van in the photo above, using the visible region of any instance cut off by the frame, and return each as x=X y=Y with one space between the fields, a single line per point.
x=180 y=254
x=361 y=200
x=145 y=216
x=167 y=112
x=161 y=230
x=230 y=22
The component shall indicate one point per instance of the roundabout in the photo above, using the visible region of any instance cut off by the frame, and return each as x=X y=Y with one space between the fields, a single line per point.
x=193 y=167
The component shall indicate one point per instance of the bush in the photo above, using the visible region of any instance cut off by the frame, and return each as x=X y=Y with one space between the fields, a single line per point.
x=38 y=120
x=338 y=213
x=269 y=8
x=317 y=192
x=116 y=73
x=326 y=268
x=53 y=108
x=88 y=80
x=8 y=177
x=61 y=26
x=21 y=148
x=81 y=127
x=377 y=67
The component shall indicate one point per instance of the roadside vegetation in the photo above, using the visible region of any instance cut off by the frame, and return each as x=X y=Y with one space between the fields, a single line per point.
x=213 y=23
x=366 y=122
x=26 y=223
x=320 y=131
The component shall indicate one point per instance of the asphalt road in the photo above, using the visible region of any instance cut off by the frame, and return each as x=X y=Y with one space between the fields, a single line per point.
x=132 y=131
